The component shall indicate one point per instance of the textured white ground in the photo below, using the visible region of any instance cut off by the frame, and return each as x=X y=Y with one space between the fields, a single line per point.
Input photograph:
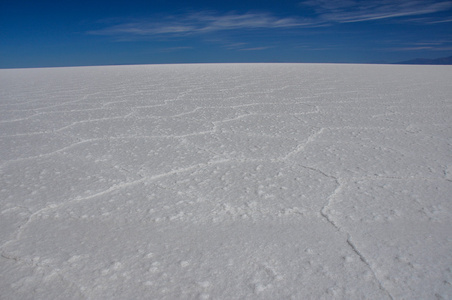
x=253 y=181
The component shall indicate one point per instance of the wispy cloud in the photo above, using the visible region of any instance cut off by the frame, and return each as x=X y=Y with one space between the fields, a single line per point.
x=347 y=11
x=440 y=21
x=201 y=22
x=173 y=49
x=255 y=49
x=319 y=13
x=439 y=45
x=445 y=48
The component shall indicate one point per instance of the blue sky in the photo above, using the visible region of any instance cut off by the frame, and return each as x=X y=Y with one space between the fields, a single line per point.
x=73 y=33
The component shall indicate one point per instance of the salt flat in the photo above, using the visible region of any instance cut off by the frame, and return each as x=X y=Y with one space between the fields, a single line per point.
x=227 y=181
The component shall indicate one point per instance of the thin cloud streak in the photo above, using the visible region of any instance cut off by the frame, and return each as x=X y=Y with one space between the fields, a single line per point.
x=350 y=11
x=256 y=49
x=441 y=21
x=422 y=48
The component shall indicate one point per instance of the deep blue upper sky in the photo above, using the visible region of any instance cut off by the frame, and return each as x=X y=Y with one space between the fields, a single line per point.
x=70 y=33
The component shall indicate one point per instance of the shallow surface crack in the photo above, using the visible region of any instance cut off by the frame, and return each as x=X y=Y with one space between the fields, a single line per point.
x=364 y=260
x=325 y=215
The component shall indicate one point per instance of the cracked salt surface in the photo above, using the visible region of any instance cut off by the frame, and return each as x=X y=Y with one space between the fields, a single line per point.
x=232 y=181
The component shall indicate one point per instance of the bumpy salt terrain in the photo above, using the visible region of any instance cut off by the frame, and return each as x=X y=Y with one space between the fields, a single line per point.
x=252 y=181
